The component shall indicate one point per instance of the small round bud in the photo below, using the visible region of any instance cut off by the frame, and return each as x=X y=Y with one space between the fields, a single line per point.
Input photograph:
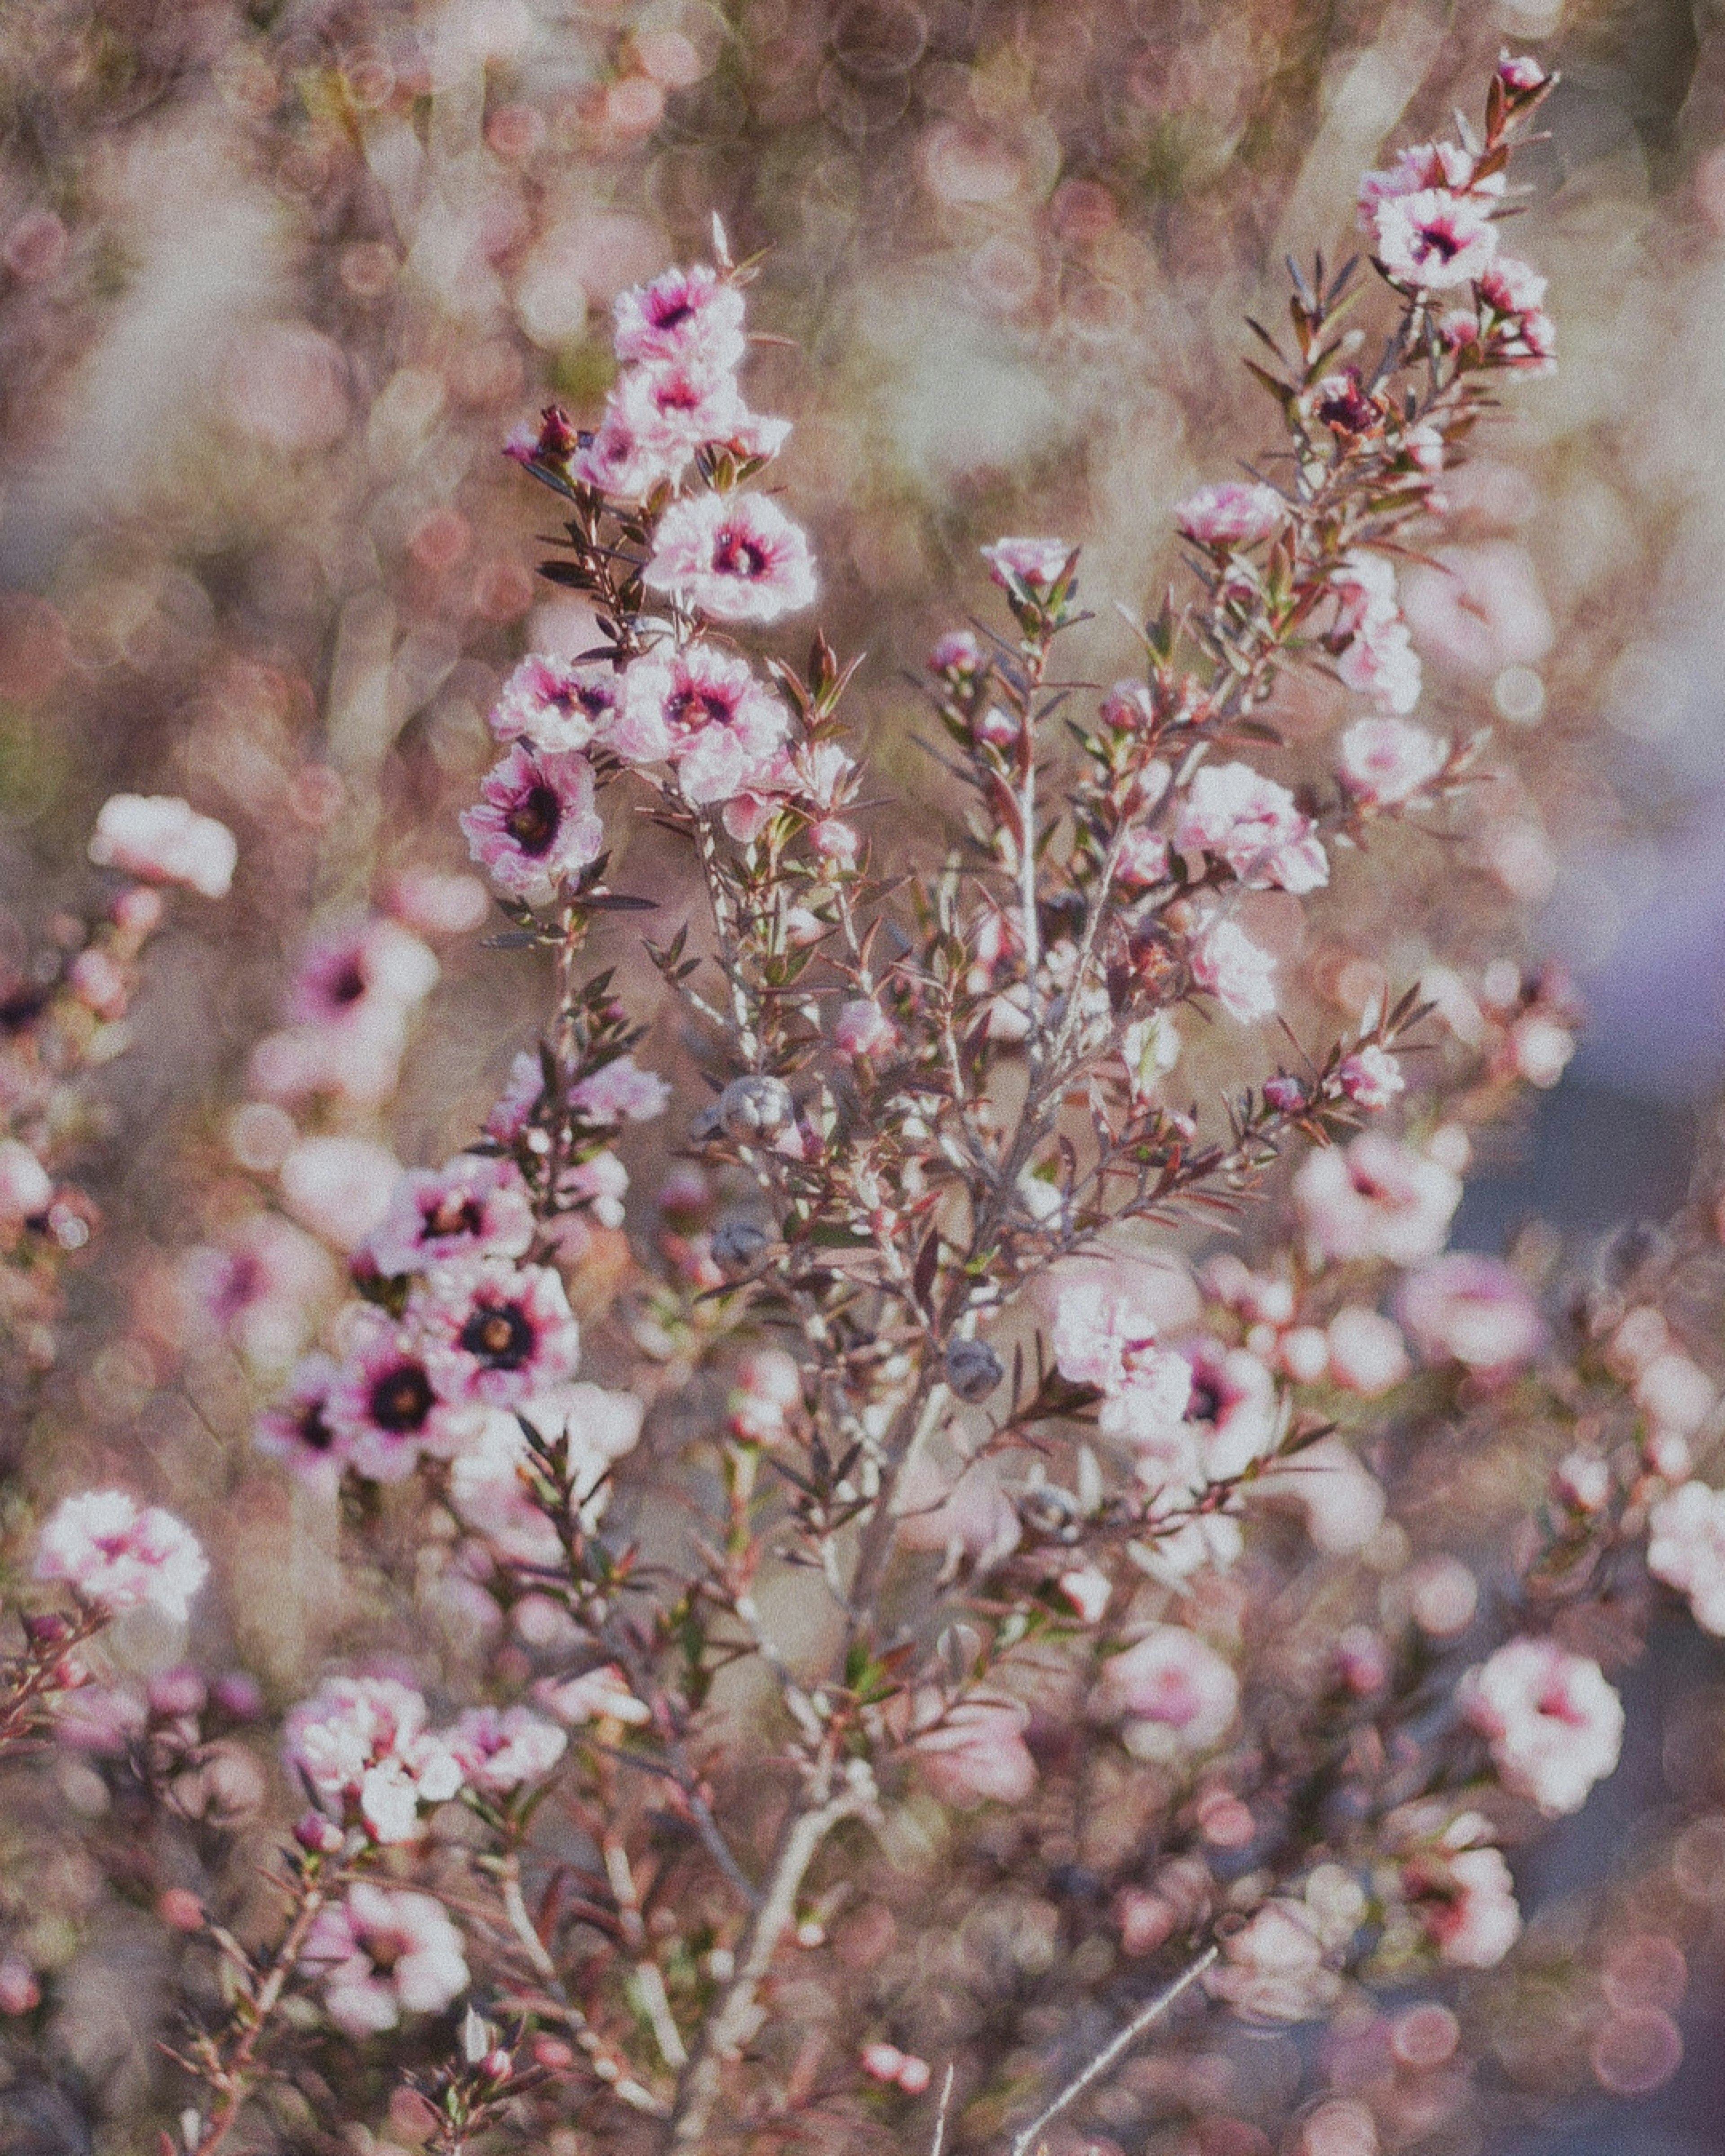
x=1288 y=1095
x=496 y=2066
x=738 y=1245
x=46 y=1629
x=318 y=1835
x=973 y=1369
x=750 y=1108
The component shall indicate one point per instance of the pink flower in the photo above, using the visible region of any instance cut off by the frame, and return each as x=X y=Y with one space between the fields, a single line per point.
x=1232 y=514
x=625 y=457
x=1472 y=1309
x=1479 y=607
x=339 y=1188
x=602 y=1695
x=1037 y=563
x=1253 y=824
x=26 y=1187
x=1685 y=1549
x=1105 y=1335
x=260 y=1287
x=436 y=902
x=1230 y=1407
x=1554 y=1724
x=477 y=1207
x=1343 y=1505
x=497 y=1751
x=386 y=1951
x=1234 y=969
x=704 y=711
x=363 y=1748
x=1172 y=1693
x=164 y=839
x=975 y=1753
x=534 y=824
x=1385 y=761
x=494 y=1331
x=1424 y=165
x=1143 y=859
x=1380 y=659
x=1675 y=1394
x=862 y=1028
x=685 y=314
x=1466 y=1900
x=297 y=1429
x=680 y=405
x=1376 y=1198
x=1433 y=240
x=1522 y=76
x=521 y=1094
x=958 y=652
x=737 y=557
x=386 y=1409
x=122 y=1555
x=1273 y=1969
x=1371 y=1077
x=359 y=971
x=768 y=1389
x=555 y=705
x=620 y=1091
x=1366 y=1353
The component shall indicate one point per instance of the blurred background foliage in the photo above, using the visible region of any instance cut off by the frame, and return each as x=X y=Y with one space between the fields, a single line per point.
x=276 y=280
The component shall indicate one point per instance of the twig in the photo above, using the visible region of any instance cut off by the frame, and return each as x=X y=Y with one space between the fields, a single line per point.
x=1145 y=2018
x=939 y=2143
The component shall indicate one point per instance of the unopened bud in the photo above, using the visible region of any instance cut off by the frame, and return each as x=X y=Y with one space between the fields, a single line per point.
x=496 y=2066
x=318 y=1835
x=750 y=1108
x=738 y=1245
x=973 y=1369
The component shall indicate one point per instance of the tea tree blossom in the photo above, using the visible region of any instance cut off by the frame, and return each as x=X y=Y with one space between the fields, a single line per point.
x=1237 y=972
x=1385 y=762
x=164 y=839
x=534 y=826
x=498 y=1751
x=1554 y=1724
x=385 y=1952
x=1433 y=240
x=1170 y=1693
x=686 y=315
x=1376 y=1197
x=1252 y=823
x=1472 y=1308
x=297 y=1429
x=974 y=1753
x=554 y=704
x=1232 y=514
x=738 y=557
x=1371 y=1077
x=363 y=1746
x=1686 y=1550
x=620 y=1091
x=385 y=1409
x=1036 y=563
x=474 y=1208
x=121 y=1555
x=1378 y=657
x=495 y=1331
x=705 y=712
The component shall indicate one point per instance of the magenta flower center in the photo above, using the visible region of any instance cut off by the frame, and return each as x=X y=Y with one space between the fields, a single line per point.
x=734 y=554
x=456 y=1214
x=313 y=1432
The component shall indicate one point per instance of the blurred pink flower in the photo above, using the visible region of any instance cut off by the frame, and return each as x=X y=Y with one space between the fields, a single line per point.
x=975 y=1753
x=936 y=1509
x=1172 y=1693
x=295 y=1427
x=1342 y=1504
x=620 y=1091
x=494 y=1331
x=521 y=1094
x=600 y=1694
x=1105 y=1334
x=26 y=1187
x=1379 y=658
x=385 y=1951
x=122 y=1555
x=862 y=1028
x=339 y=1188
x=1273 y=1969
x=1037 y=563
x=498 y=1750
x=1480 y=607
x=1376 y=1197
x=261 y=1287
x=1371 y=1077
x=1252 y=823
x=164 y=839
x=1233 y=514
x=1385 y=761
x=477 y=1207
x=737 y=557
x=433 y=902
x=1554 y=1724
x=1466 y=1900
x=1231 y=1406
x=1471 y=1308
x=1367 y=1353
x=1234 y=970
x=1686 y=1550
x=485 y=1477
x=533 y=826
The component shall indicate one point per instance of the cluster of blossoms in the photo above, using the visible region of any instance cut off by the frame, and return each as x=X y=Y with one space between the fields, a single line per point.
x=1085 y=1524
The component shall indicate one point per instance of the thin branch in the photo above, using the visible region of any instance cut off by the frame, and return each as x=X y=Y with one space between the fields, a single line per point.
x=1146 y=2018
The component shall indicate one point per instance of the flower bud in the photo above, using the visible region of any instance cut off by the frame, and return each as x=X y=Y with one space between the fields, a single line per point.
x=973 y=1369
x=317 y=1836
x=738 y=1245
x=750 y=1108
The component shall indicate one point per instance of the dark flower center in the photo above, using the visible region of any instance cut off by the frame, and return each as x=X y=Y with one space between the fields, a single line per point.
x=500 y=1336
x=532 y=823
x=1205 y=1403
x=457 y=1214
x=699 y=707
x=734 y=554
x=670 y=314
x=401 y=1400
x=313 y=1433
x=348 y=985
x=1437 y=240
